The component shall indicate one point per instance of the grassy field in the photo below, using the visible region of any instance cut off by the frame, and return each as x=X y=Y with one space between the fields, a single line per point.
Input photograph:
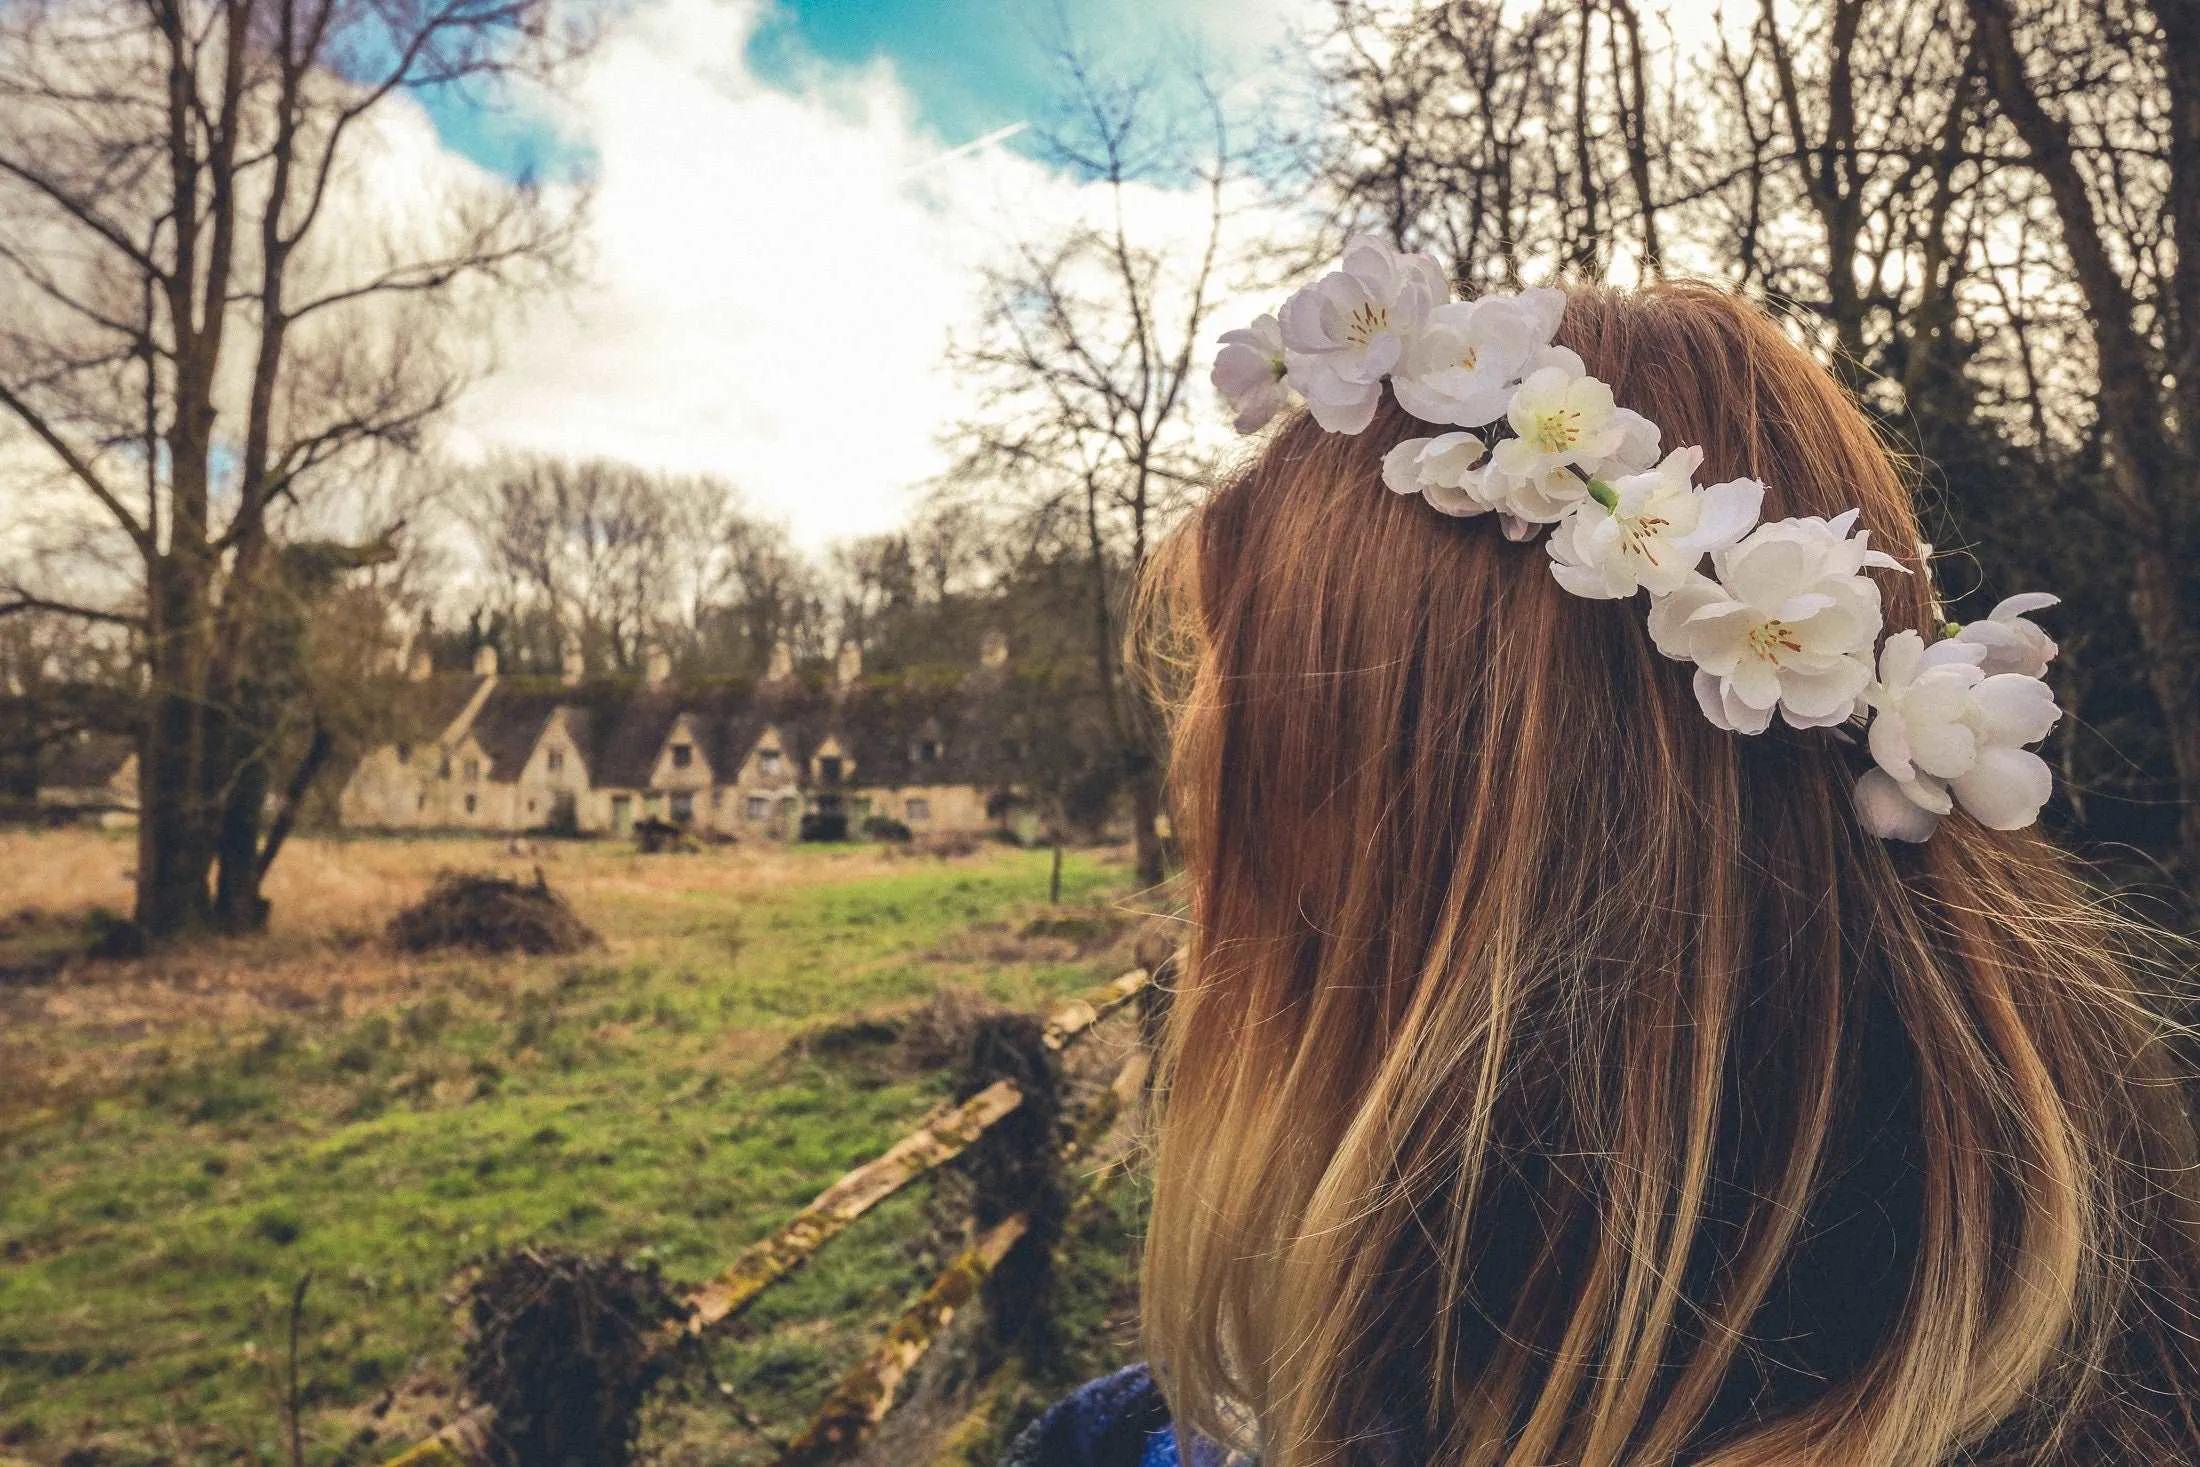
x=183 y=1138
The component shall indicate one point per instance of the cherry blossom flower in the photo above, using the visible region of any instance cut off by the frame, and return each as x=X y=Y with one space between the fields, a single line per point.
x=1345 y=332
x=1562 y=420
x=1567 y=429
x=1249 y=373
x=1463 y=365
x=1656 y=533
x=1787 y=621
x=1440 y=470
x=2012 y=643
x=1637 y=451
x=1946 y=732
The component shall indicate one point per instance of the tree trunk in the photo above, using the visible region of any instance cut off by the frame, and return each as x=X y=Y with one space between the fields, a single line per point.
x=1145 y=785
x=238 y=905
x=294 y=798
x=2152 y=469
x=2158 y=605
x=175 y=851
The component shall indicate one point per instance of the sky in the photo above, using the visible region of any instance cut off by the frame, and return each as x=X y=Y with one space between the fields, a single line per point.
x=792 y=201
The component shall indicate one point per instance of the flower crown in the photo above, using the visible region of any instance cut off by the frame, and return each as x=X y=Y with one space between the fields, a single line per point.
x=1785 y=621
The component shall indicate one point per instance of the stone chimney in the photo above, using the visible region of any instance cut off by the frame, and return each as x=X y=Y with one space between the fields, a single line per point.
x=485 y=661
x=658 y=669
x=573 y=668
x=782 y=664
x=849 y=665
x=993 y=649
x=421 y=666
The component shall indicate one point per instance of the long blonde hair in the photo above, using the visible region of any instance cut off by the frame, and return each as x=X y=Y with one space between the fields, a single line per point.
x=1556 y=1079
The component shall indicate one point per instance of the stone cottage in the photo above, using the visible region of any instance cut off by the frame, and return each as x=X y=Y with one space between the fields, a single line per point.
x=939 y=753
x=91 y=776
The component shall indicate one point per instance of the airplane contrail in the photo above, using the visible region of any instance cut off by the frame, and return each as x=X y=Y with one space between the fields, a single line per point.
x=998 y=135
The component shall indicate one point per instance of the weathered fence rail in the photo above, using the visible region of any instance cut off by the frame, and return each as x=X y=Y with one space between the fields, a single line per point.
x=864 y=1396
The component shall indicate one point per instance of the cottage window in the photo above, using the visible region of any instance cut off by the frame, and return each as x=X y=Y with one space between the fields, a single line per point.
x=682 y=755
x=767 y=763
x=683 y=807
x=928 y=751
x=420 y=802
x=918 y=811
x=469 y=804
x=759 y=807
x=828 y=769
x=788 y=806
x=443 y=767
x=556 y=760
x=473 y=770
x=404 y=753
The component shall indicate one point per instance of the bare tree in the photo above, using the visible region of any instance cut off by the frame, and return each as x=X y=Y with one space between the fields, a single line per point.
x=1977 y=217
x=590 y=545
x=1087 y=356
x=1516 y=140
x=2123 y=178
x=202 y=329
x=60 y=678
x=610 y=561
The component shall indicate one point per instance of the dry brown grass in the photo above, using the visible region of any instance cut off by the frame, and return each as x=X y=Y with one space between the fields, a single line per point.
x=82 y=1030
x=324 y=885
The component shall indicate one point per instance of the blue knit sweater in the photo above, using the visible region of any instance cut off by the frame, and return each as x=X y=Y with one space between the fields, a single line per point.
x=1119 y=1420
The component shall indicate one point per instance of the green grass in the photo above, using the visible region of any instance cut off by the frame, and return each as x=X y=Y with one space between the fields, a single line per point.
x=644 y=1101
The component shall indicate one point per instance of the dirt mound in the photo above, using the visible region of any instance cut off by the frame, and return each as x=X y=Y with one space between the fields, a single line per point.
x=563 y=1349
x=490 y=914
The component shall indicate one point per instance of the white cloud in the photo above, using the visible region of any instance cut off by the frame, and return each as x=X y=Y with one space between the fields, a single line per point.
x=774 y=276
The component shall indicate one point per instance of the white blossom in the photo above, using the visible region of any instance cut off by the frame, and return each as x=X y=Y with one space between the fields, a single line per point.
x=1463 y=365
x=1786 y=621
x=1249 y=372
x=1562 y=420
x=1440 y=470
x=1658 y=533
x=1946 y=732
x=1343 y=333
x=1636 y=452
x=1564 y=424
x=2013 y=643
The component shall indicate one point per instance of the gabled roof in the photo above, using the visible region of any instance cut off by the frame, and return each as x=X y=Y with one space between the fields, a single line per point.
x=734 y=735
x=879 y=723
x=885 y=723
x=624 y=752
x=428 y=705
x=509 y=726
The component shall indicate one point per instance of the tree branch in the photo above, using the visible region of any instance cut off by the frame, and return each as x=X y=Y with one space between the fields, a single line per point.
x=77 y=466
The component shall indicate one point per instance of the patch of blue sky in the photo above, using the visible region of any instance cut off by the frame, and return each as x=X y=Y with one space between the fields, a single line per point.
x=496 y=128
x=974 y=67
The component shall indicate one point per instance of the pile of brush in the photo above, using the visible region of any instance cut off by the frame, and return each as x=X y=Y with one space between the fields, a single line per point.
x=490 y=914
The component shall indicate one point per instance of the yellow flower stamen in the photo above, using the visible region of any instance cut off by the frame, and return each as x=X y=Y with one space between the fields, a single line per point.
x=1768 y=639
x=1368 y=319
x=1558 y=430
x=1638 y=536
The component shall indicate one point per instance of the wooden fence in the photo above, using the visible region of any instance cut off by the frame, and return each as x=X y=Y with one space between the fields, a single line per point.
x=864 y=1395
